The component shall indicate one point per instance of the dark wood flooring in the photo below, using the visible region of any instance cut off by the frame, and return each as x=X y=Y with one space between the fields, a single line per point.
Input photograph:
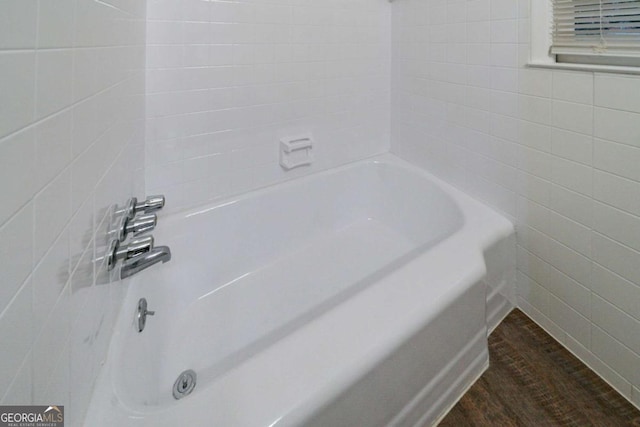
x=534 y=381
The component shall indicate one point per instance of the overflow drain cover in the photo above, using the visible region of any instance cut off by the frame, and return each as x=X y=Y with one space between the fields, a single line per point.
x=185 y=384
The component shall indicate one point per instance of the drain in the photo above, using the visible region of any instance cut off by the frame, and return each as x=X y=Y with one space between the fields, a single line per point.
x=185 y=384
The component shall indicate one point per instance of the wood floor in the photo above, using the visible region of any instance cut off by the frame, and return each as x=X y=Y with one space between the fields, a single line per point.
x=534 y=381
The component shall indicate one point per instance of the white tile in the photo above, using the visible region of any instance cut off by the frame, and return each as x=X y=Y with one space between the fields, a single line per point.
x=570 y=262
x=534 y=188
x=53 y=147
x=17 y=164
x=535 y=109
x=570 y=233
x=616 y=355
x=504 y=9
x=619 y=159
x=616 y=191
x=571 y=322
x=616 y=323
x=616 y=125
x=573 y=117
x=535 y=135
x=616 y=257
x=618 y=291
x=17 y=90
x=52 y=211
x=572 y=205
x=575 y=295
x=16 y=253
x=572 y=146
x=574 y=176
x=18 y=24
x=53 y=81
x=535 y=82
x=616 y=224
x=55 y=23
x=533 y=266
x=533 y=293
x=49 y=279
x=573 y=86
x=614 y=92
x=15 y=328
x=504 y=31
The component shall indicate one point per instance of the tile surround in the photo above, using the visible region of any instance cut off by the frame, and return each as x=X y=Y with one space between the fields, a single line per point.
x=556 y=151
x=72 y=111
x=227 y=80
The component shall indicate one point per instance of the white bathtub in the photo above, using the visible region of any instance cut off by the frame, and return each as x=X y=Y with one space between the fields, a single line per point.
x=352 y=297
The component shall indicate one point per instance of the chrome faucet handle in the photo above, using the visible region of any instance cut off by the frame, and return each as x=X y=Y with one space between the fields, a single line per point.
x=129 y=209
x=141 y=224
x=137 y=247
x=151 y=204
x=136 y=225
x=133 y=207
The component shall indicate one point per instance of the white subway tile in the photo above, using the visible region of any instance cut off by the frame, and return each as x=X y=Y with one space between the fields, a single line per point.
x=616 y=191
x=615 y=92
x=572 y=146
x=18 y=24
x=532 y=293
x=573 y=86
x=575 y=325
x=572 y=205
x=17 y=164
x=573 y=117
x=16 y=253
x=616 y=257
x=53 y=81
x=49 y=279
x=616 y=125
x=616 y=224
x=52 y=211
x=535 y=82
x=616 y=355
x=17 y=90
x=616 y=158
x=16 y=328
x=53 y=147
x=570 y=233
x=616 y=323
x=535 y=135
x=56 y=23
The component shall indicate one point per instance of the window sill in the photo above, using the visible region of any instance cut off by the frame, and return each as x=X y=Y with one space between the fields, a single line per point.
x=585 y=67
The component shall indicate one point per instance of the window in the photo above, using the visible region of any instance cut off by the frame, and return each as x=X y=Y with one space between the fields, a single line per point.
x=596 y=32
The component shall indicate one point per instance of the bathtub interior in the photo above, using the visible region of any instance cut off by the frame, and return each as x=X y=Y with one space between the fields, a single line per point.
x=250 y=270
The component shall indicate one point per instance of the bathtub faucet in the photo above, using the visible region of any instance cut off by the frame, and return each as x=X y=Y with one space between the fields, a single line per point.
x=145 y=260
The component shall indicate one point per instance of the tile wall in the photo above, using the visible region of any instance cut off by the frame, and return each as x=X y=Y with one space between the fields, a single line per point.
x=71 y=136
x=226 y=80
x=556 y=151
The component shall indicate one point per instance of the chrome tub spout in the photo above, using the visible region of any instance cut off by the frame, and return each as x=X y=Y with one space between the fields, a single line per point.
x=138 y=263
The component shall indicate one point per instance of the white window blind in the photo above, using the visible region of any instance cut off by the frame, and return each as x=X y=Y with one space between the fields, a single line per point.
x=596 y=27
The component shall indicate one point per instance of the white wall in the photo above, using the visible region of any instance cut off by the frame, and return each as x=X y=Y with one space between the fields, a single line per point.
x=226 y=80
x=557 y=151
x=71 y=133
